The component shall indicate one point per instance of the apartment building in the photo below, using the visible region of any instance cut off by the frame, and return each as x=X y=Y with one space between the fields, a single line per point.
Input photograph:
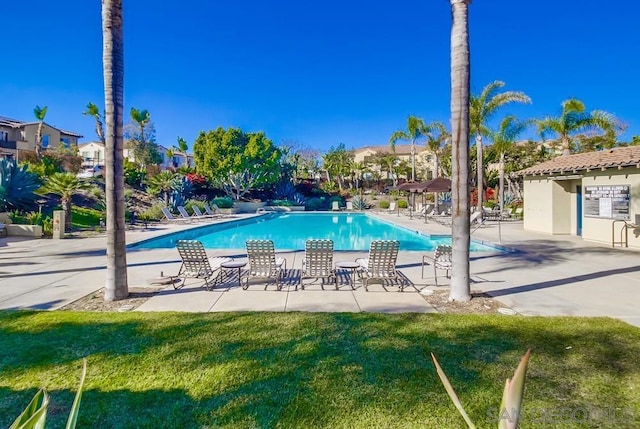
x=425 y=159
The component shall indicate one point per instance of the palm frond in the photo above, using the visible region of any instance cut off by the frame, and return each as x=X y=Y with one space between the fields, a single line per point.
x=572 y=105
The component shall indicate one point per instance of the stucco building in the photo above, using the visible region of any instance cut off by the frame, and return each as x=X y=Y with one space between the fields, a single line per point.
x=595 y=195
x=92 y=153
x=16 y=136
x=425 y=159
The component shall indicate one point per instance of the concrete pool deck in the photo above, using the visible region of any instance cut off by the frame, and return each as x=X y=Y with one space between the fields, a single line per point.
x=549 y=276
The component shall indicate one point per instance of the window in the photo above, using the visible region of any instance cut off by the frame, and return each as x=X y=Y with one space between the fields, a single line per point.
x=4 y=135
x=45 y=140
x=85 y=154
x=65 y=141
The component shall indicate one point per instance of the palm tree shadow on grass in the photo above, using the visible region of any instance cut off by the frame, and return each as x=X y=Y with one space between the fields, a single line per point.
x=254 y=369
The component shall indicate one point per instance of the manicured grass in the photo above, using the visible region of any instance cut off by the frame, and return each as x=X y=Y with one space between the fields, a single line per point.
x=308 y=370
x=83 y=217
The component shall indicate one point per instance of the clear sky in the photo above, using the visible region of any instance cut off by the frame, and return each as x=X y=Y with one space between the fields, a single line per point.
x=317 y=73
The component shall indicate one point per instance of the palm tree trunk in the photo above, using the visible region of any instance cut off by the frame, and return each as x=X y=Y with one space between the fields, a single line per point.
x=116 y=286
x=480 y=173
x=566 y=148
x=66 y=208
x=39 y=141
x=501 y=194
x=460 y=76
x=413 y=160
x=436 y=205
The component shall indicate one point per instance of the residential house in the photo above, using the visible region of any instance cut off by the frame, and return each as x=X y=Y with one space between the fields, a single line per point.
x=93 y=154
x=16 y=136
x=595 y=195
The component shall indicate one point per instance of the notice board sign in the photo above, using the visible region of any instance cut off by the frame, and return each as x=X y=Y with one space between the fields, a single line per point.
x=607 y=201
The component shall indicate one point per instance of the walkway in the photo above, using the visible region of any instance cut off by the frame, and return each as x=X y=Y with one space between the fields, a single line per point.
x=551 y=275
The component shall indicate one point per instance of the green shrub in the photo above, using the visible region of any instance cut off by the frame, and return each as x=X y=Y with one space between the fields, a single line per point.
x=384 y=204
x=223 y=202
x=153 y=213
x=313 y=204
x=190 y=203
x=403 y=204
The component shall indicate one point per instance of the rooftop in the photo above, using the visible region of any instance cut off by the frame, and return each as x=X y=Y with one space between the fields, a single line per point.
x=608 y=158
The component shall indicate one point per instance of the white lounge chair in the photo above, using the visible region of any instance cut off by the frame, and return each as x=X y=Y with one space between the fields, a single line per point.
x=381 y=262
x=392 y=207
x=214 y=210
x=349 y=206
x=441 y=260
x=196 y=263
x=318 y=261
x=335 y=206
x=263 y=263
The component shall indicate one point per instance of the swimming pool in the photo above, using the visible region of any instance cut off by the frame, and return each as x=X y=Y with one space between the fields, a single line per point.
x=349 y=231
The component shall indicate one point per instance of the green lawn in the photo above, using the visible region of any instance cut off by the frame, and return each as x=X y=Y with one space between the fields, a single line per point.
x=83 y=217
x=308 y=370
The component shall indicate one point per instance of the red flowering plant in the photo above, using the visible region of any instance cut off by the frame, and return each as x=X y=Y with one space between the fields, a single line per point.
x=196 y=179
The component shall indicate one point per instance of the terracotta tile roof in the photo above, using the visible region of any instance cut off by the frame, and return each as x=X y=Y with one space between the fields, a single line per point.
x=617 y=157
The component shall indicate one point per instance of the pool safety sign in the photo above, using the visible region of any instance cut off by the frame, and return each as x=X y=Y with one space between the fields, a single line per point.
x=607 y=202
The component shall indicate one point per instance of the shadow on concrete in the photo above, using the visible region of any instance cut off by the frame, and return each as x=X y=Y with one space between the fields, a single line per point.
x=564 y=281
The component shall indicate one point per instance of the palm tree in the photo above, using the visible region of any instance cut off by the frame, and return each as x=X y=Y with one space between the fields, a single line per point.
x=162 y=183
x=64 y=185
x=39 y=113
x=116 y=286
x=94 y=112
x=482 y=108
x=182 y=145
x=574 y=118
x=509 y=130
x=141 y=118
x=415 y=129
x=460 y=75
x=437 y=136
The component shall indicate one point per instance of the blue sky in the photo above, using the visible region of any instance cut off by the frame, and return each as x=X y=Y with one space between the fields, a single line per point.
x=317 y=74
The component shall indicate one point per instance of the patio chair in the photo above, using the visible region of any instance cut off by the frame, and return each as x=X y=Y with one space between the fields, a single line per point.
x=263 y=263
x=318 y=261
x=381 y=263
x=349 y=206
x=441 y=260
x=167 y=214
x=476 y=221
x=196 y=263
x=185 y=215
x=392 y=207
x=335 y=206
x=214 y=210
x=198 y=213
x=518 y=213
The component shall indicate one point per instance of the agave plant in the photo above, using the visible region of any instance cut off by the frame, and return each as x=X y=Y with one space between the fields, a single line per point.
x=360 y=203
x=17 y=187
x=181 y=190
x=511 y=397
x=298 y=199
x=284 y=190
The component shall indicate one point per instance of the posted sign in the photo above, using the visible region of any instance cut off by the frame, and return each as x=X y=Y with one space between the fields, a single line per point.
x=607 y=202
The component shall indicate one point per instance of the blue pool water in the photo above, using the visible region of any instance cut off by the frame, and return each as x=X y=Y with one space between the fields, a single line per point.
x=349 y=231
